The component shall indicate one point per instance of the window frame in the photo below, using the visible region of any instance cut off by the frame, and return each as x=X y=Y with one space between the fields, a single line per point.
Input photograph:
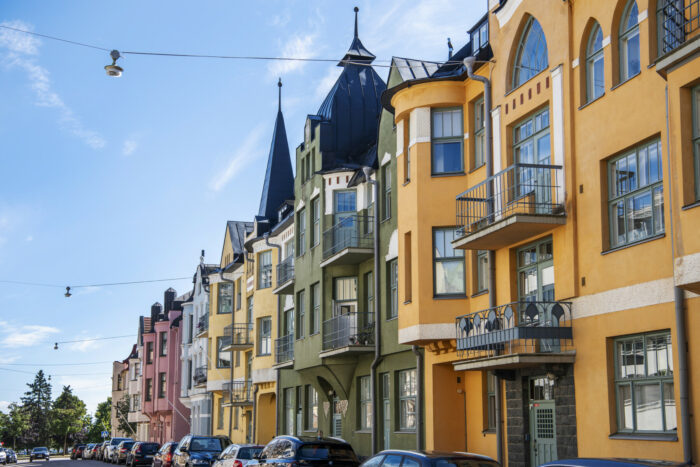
x=149 y=352
x=491 y=382
x=264 y=269
x=301 y=231
x=315 y=221
x=218 y=347
x=386 y=192
x=695 y=120
x=515 y=81
x=401 y=398
x=392 y=268
x=481 y=271
x=264 y=341
x=592 y=58
x=311 y=419
x=364 y=395
x=239 y=286
x=224 y=298
x=163 y=344
x=479 y=134
x=162 y=385
x=435 y=140
x=315 y=306
x=446 y=259
x=624 y=36
x=300 y=315
x=148 y=397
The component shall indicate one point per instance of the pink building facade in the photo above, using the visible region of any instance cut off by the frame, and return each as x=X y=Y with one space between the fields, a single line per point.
x=169 y=418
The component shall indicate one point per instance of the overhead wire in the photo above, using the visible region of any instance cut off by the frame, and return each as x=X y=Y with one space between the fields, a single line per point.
x=106 y=284
x=93 y=339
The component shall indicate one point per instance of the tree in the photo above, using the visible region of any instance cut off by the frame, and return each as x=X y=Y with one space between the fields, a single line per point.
x=37 y=403
x=123 y=425
x=102 y=421
x=67 y=417
x=18 y=424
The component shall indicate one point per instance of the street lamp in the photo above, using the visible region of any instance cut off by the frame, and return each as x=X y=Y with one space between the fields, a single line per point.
x=114 y=69
x=67 y=294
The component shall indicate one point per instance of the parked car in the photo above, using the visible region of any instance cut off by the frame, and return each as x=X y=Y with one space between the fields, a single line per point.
x=39 y=453
x=111 y=445
x=394 y=458
x=307 y=450
x=101 y=450
x=141 y=453
x=11 y=456
x=603 y=462
x=89 y=452
x=164 y=456
x=3 y=456
x=194 y=450
x=238 y=455
x=119 y=453
x=77 y=451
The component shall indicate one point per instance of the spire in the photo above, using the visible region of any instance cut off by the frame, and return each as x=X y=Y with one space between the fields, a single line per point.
x=357 y=52
x=279 y=181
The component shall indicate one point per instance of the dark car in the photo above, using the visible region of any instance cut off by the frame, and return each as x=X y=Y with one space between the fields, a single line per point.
x=77 y=451
x=612 y=462
x=196 y=451
x=119 y=453
x=141 y=453
x=11 y=456
x=396 y=458
x=164 y=456
x=308 y=451
x=39 y=453
x=238 y=455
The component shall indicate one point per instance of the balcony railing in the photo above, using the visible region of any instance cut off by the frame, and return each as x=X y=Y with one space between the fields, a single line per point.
x=241 y=392
x=200 y=375
x=203 y=324
x=348 y=330
x=353 y=231
x=678 y=21
x=285 y=270
x=238 y=336
x=515 y=328
x=284 y=349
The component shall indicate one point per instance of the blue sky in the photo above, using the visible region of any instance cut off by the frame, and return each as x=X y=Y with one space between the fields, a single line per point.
x=108 y=180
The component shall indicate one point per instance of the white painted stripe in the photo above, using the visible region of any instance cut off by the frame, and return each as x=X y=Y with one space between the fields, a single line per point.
x=393 y=251
x=440 y=331
x=642 y=15
x=558 y=129
x=418 y=140
x=574 y=63
x=301 y=205
x=466 y=135
x=606 y=41
x=686 y=269
x=314 y=193
x=386 y=159
x=506 y=13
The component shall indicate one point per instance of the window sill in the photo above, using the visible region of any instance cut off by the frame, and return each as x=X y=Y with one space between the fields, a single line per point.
x=488 y=431
x=405 y=432
x=364 y=432
x=450 y=297
x=625 y=81
x=590 y=102
x=645 y=436
x=690 y=206
x=477 y=168
x=392 y=318
x=383 y=221
x=448 y=174
x=263 y=355
x=407 y=302
x=406 y=182
x=629 y=245
x=480 y=293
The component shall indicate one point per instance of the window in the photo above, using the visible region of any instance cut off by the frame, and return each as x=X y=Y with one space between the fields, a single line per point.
x=311 y=408
x=238 y=358
x=479 y=134
x=119 y=382
x=393 y=271
x=236 y=416
x=238 y=294
x=223 y=359
x=531 y=55
x=190 y=328
x=265 y=270
x=408 y=268
x=447 y=139
x=369 y=296
x=407 y=149
x=316 y=220
x=135 y=403
x=149 y=389
x=288 y=397
x=162 y=385
x=629 y=42
x=636 y=195
x=480 y=37
x=301 y=307
x=249 y=311
x=149 y=352
x=301 y=231
x=407 y=399
x=696 y=138
x=315 y=308
x=670 y=25
x=482 y=270
x=595 y=65
x=644 y=383
x=491 y=382
x=225 y=297
x=163 y=344
x=386 y=198
x=365 y=395
x=220 y=413
x=448 y=264
x=265 y=336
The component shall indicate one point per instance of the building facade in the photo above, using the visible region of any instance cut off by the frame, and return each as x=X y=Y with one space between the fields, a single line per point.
x=120 y=372
x=135 y=384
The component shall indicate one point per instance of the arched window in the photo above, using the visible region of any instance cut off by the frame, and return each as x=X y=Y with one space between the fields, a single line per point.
x=595 y=74
x=531 y=57
x=629 y=42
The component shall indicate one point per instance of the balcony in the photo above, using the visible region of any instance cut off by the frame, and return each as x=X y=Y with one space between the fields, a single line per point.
x=517 y=203
x=240 y=392
x=284 y=351
x=285 y=276
x=203 y=325
x=237 y=337
x=678 y=22
x=349 y=241
x=348 y=333
x=200 y=376
x=515 y=335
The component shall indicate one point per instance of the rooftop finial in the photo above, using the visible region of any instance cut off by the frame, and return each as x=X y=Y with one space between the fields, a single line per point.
x=279 y=96
x=356 y=10
x=449 y=49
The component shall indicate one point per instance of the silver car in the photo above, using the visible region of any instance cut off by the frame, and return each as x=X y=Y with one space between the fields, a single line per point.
x=237 y=455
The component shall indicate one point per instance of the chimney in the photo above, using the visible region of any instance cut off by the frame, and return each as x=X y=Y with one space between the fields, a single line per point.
x=156 y=310
x=168 y=299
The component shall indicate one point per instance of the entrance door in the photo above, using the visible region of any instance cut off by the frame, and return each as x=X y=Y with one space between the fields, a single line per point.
x=543 y=433
x=337 y=427
x=386 y=410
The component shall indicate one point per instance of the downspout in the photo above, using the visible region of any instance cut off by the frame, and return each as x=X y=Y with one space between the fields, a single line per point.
x=377 y=325
x=488 y=155
x=419 y=397
x=279 y=320
x=233 y=321
x=255 y=411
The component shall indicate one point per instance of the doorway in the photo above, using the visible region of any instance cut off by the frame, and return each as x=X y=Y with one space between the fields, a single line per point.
x=543 y=433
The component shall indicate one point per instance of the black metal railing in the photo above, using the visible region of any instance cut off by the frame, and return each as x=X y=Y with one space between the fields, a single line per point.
x=284 y=349
x=519 y=189
x=240 y=392
x=353 y=231
x=239 y=334
x=200 y=375
x=203 y=323
x=677 y=21
x=518 y=327
x=348 y=330
x=285 y=270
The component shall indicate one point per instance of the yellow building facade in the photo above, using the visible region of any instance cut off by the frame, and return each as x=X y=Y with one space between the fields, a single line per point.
x=588 y=207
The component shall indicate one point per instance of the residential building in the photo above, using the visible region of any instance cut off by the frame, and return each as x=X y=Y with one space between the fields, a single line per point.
x=195 y=351
x=135 y=383
x=555 y=303
x=119 y=392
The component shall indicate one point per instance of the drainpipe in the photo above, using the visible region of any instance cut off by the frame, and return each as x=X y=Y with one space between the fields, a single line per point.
x=419 y=397
x=488 y=133
x=233 y=321
x=279 y=320
x=255 y=410
x=377 y=334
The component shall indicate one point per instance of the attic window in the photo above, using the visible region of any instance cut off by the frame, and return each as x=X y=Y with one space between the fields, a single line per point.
x=307 y=131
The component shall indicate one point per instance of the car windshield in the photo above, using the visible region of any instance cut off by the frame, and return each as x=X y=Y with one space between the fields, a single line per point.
x=248 y=453
x=325 y=451
x=205 y=444
x=40 y=450
x=149 y=448
x=116 y=441
x=457 y=462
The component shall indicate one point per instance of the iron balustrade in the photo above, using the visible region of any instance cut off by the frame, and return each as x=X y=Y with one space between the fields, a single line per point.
x=284 y=349
x=203 y=323
x=532 y=189
x=200 y=375
x=352 y=231
x=240 y=392
x=517 y=327
x=240 y=334
x=348 y=330
x=678 y=21
x=285 y=270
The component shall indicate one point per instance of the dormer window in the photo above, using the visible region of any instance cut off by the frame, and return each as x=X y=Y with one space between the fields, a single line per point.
x=480 y=37
x=307 y=131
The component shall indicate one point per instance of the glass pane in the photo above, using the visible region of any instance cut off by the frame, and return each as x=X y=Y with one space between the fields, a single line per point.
x=524 y=153
x=624 y=407
x=596 y=40
x=543 y=149
x=643 y=170
x=632 y=52
x=437 y=125
x=632 y=172
x=630 y=358
x=658 y=210
x=439 y=243
x=449 y=277
x=447 y=157
x=620 y=176
x=631 y=19
x=528 y=284
x=658 y=355
x=647 y=399
x=528 y=256
x=457 y=127
x=654 y=172
x=408 y=413
x=639 y=220
x=670 y=407
x=532 y=54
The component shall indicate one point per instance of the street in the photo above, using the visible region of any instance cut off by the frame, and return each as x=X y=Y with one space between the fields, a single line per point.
x=64 y=461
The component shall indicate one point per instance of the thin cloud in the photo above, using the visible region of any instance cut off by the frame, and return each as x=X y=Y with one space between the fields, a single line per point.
x=326 y=83
x=298 y=46
x=248 y=152
x=8 y=359
x=4 y=405
x=21 y=51
x=129 y=146
x=27 y=335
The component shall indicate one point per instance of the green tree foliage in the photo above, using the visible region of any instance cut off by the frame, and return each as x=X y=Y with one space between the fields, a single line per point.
x=37 y=403
x=102 y=421
x=122 y=408
x=67 y=417
x=17 y=424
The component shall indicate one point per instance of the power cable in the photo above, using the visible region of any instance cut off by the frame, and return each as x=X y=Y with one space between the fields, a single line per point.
x=57 y=364
x=53 y=374
x=107 y=284
x=94 y=339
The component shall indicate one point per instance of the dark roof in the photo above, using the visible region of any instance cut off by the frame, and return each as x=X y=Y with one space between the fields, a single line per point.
x=237 y=231
x=279 y=179
x=357 y=51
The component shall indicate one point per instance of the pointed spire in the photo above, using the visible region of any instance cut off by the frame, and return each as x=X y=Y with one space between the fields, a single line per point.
x=279 y=96
x=357 y=52
x=356 y=11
